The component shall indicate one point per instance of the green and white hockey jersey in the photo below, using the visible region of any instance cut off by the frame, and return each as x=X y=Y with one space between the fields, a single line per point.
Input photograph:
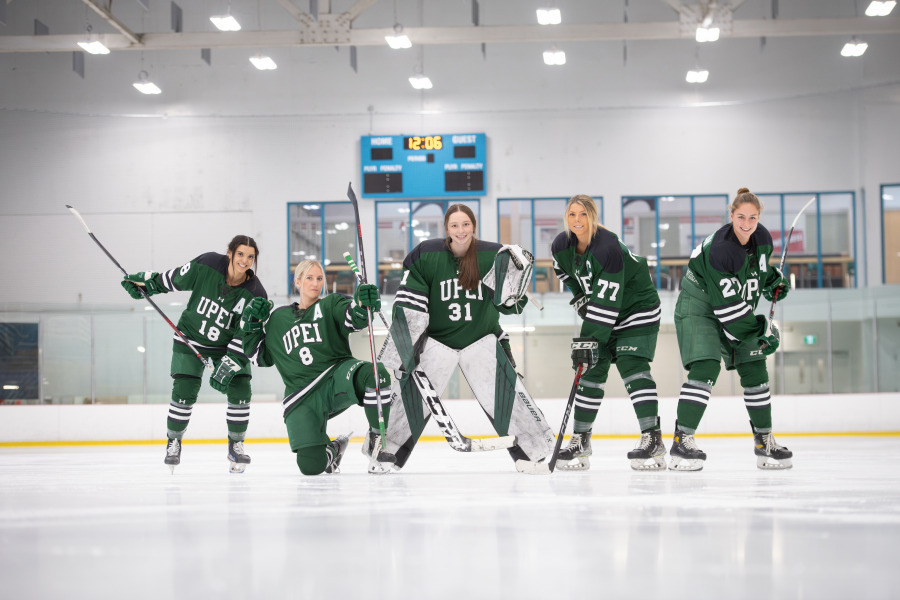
x=305 y=344
x=622 y=297
x=731 y=277
x=430 y=284
x=212 y=317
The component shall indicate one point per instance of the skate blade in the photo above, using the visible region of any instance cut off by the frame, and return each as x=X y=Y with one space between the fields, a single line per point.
x=237 y=467
x=771 y=464
x=641 y=464
x=686 y=464
x=581 y=463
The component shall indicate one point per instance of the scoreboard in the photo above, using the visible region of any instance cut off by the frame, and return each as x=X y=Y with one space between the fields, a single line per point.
x=423 y=166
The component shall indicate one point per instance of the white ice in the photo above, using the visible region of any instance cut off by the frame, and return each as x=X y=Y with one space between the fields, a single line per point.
x=112 y=522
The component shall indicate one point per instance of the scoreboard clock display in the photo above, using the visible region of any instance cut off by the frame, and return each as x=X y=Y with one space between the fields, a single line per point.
x=423 y=166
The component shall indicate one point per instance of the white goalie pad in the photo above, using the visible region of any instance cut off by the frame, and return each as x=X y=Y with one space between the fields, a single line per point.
x=510 y=277
x=479 y=365
x=407 y=329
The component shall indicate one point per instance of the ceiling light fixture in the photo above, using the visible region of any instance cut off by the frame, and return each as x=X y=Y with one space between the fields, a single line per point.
x=554 y=57
x=94 y=47
x=549 y=16
x=225 y=23
x=697 y=76
x=854 y=49
x=877 y=8
x=420 y=82
x=145 y=86
x=398 y=41
x=707 y=34
x=263 y=63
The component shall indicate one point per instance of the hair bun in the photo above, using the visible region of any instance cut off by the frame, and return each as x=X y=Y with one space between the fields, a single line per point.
x=743 y=191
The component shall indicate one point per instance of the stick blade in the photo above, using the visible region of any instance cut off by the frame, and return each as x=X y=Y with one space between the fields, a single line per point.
x=532 y=468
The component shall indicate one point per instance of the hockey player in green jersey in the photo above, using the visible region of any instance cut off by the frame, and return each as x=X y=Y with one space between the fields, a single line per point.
x=445 y=316
x=308 y=343
x=619 y=305
x=220 y=286
x=715 y=320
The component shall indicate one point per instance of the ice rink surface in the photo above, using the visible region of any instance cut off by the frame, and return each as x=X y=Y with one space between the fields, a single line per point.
x=112 y=522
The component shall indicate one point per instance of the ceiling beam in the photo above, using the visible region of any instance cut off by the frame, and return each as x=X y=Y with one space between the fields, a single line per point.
x=109 y=18
x=334 y=30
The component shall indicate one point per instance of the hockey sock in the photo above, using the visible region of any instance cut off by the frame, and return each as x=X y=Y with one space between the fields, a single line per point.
x=588 y=398
x=184 y=395
x=641 y=389
x=312 y=460
x=757 y=398
x=237 y=411
x=364 y=384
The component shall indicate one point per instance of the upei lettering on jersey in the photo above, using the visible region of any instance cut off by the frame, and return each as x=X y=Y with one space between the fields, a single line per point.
x=208 y=309
x=307 y=333
x=450 y=290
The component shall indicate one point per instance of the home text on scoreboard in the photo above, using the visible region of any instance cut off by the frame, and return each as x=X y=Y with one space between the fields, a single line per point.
x=423 y=166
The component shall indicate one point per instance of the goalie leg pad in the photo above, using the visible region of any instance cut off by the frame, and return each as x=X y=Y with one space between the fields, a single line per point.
x=408 y=417
x=401 y=346
x=504 y=399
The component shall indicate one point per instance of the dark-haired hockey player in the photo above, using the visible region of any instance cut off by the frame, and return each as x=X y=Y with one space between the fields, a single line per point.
x=308 y=343
x=714 y=320
x=619 y=305
x=445 y=316
x=220 y=286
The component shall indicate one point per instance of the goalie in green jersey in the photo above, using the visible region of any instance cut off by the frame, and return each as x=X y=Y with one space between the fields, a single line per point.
x=220 y=286
x=620 y=311
x=714 y=320
x=445 y=315
x=308 y=343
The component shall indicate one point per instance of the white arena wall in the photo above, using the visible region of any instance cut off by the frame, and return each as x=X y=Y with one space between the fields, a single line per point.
x=804 y=415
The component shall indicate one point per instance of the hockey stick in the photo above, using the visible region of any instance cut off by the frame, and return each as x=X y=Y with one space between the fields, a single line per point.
x=362 y=277
x=444 y=421
x=784 y=249
x=538 y=468
x=140 y=288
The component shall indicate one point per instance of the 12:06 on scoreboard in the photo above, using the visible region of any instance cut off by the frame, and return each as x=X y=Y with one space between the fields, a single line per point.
x=423 y=166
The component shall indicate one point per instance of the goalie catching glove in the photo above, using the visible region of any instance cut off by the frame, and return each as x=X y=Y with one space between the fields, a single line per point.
x=143 y=279
x=224 y=373
x=255 y=314
x=585 y=351
x=510 y=277
x=778 y=286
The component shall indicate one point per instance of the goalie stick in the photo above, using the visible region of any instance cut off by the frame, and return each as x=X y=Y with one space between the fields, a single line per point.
x=784 y=249
x=444 y=421
x=362 y=276
x=207 y=363
x=540 y=468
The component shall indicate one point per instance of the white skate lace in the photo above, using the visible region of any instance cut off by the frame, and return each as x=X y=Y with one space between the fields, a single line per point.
x=645 y=442
x=238 y=448
x=687 y=441
x=174 y=448
x=575 y=442
x=376 y=446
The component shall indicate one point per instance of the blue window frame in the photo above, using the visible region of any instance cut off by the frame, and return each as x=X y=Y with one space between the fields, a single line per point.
x=322 y=231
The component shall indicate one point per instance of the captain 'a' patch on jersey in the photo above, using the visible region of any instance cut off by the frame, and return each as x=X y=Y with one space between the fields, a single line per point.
x=622 y=296
x=732 y=276
x=430 y=284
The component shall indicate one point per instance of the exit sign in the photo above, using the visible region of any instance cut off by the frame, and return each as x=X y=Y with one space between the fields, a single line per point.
x=809 y=340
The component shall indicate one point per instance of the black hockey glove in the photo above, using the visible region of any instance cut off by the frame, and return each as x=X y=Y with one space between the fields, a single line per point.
x=778 y=286
x=580 y=302
x=255 y=314
x=143 y=279
x=769 y=343
x=585 y=351
x=224 y=373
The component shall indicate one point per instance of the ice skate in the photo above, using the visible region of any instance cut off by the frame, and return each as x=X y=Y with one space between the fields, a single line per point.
x=382 y=461
x=237 y=457
x=578 y=452
x=173 y=454
x=336 y=449
x=650 y=453
x=686 y=456
x=769 y=454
